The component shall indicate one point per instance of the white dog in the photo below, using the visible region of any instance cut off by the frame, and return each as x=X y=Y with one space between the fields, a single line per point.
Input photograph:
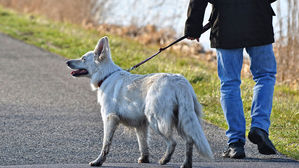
x=161 y=101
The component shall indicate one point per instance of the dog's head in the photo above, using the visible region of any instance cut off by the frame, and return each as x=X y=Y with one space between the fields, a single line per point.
x=96 y=64
x=93 y=61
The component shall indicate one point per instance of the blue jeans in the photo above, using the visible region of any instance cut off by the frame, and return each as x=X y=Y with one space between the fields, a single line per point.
x=263 y=69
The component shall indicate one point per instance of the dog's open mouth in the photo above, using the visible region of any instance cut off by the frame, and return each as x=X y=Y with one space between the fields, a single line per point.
x=79 y=72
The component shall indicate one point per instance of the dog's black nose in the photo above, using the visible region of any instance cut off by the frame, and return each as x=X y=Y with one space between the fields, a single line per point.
x=67 y=63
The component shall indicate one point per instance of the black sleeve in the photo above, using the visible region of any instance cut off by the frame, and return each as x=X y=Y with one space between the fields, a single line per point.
x=195 y=16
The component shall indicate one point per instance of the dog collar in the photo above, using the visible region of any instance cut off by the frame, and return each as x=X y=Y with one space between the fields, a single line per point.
x=101 y=81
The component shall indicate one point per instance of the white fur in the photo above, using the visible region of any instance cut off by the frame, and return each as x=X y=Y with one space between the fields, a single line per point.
x=161 y=101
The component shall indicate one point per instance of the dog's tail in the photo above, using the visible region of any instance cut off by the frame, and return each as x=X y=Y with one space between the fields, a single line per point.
x=189 y=125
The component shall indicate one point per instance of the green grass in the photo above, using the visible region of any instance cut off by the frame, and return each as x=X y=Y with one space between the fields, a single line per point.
x=72 y=41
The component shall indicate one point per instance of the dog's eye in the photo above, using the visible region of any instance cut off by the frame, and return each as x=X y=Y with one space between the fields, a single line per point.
x=83 y=59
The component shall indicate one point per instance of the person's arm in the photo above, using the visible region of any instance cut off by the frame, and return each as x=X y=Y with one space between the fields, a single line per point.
x=195 y=16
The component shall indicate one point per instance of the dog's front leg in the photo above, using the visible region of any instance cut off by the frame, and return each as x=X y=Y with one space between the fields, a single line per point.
x=142 y=142
x=110 y=124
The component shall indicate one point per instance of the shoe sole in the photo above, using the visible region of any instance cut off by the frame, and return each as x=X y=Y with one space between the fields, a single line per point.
x=241 y=156
x=238 y=157
x=235 y=157
x=264 y=147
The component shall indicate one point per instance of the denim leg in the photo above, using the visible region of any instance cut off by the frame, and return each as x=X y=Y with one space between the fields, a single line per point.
x=263 y=69
x=229 y=71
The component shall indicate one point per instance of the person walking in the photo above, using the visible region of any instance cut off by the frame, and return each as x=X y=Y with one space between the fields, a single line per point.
x=239 y=25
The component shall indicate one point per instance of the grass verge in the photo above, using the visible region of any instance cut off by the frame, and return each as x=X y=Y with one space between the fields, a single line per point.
x=71 y=41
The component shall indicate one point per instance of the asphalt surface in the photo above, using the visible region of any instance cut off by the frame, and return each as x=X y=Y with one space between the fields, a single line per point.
x=49 y=119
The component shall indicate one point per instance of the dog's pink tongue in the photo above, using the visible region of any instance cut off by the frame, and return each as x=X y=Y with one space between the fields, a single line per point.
x=76 y=72
x=79 y=72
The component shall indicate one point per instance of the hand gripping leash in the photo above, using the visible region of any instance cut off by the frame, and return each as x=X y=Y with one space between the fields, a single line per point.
x=205 y=28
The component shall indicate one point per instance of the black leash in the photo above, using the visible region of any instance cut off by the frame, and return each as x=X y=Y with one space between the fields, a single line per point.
x=205 y=28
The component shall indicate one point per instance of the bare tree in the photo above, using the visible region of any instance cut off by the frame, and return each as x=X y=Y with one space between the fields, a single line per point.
x=288 y=42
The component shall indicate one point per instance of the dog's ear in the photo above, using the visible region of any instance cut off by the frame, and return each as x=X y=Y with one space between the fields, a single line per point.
x=102 y=48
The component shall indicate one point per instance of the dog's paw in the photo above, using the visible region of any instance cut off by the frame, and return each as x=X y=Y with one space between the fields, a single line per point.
x=186 y=165
x=96 y=163
x=143 y=159
x=164 y=160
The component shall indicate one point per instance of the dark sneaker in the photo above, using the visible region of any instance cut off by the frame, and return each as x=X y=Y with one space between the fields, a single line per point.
x=260 y=137
x=235 y=150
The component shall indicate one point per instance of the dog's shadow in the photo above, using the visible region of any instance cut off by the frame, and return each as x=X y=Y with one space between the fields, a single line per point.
x=142 y=165
x=203 y=165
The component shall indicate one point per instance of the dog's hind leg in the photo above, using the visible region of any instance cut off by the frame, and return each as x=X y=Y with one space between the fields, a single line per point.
x=161 y=120
x=170 y=142
x=142 y=142
x=166 y=133
x=165 y=130
x=188 y=155
x=162 y=126
x=110 y=124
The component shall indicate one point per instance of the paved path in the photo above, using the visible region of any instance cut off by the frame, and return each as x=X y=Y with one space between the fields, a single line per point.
x=48 y=119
